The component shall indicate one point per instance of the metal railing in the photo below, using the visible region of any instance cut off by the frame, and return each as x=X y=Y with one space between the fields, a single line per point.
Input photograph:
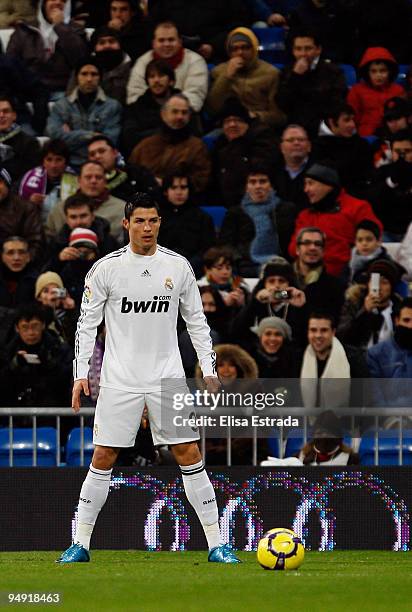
x=282 y=436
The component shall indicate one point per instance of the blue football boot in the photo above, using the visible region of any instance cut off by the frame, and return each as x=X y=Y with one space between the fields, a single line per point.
x=75 y=554
x=222 y=554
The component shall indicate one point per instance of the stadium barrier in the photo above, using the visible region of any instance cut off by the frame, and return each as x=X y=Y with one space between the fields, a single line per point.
x=329 y=508
x=42 y=446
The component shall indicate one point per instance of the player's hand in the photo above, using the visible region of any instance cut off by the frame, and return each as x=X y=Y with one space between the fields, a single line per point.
x=212 y=383
x=301 y=66
x=78 y=386
x=297 y=297
x=233 y=65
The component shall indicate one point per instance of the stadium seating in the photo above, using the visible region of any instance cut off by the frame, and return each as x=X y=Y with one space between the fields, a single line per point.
x=295 y=441
x=350 y=74
x=217 y=213
x=23 y=446
x=272 y=46
x=388 y=448
x=73 y=446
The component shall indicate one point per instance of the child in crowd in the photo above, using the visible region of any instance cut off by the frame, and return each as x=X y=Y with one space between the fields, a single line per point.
x=218 y=263
x=368 y=247
x=378 y=70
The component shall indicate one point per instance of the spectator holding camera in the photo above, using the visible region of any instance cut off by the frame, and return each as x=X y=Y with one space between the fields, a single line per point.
x=274 y=295
x=368 y=310
x=59 y=307
x=36 y=365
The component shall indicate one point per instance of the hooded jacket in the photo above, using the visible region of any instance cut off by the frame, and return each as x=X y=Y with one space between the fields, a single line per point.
x=338 y=222
x=245 y=364
x=53 y=68
x=255 y=85
x=368 y=101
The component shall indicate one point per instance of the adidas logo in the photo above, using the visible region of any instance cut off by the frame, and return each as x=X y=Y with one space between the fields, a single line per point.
x=146 y=273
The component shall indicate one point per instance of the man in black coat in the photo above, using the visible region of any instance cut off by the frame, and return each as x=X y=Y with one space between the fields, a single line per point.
x=242 y=142
x=310 y=84
x=323 y=291
x=351 y=154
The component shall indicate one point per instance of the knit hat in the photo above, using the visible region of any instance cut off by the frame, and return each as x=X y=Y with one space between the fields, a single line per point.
x=45 y=279
x=395 y=108
x=278 y=266
x=103 y=31
x=5 y=177
x=242 y=35
x=273 y=323
x=234 y=108
x=83 y=237
x=323 y=174
x=327 y=425
x=387 y=268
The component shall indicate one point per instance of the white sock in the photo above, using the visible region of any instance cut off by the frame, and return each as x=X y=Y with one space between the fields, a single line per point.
x=92 y=498
x=200 y=493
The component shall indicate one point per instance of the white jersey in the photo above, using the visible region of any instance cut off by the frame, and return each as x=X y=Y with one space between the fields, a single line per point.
x=139 y=297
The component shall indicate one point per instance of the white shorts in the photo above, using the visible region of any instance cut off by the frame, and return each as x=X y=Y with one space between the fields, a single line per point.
x=118 y=415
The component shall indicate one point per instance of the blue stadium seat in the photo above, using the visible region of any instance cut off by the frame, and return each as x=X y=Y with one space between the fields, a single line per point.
x=272 y=44
x=217 y=213
x=73 y=446
x=403 y=71
x=388 y=448
x=211 y=138
x=350 y=74
x=23 y=446
x=273 y=447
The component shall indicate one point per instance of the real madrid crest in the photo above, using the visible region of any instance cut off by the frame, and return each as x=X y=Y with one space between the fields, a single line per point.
x=169 y=284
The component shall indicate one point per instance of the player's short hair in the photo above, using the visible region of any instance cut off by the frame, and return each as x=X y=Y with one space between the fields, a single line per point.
x=140 y=200
x=77 y=200
x=56 y=147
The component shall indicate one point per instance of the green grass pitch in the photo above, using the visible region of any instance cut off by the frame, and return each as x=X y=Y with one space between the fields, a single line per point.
x=351 y=581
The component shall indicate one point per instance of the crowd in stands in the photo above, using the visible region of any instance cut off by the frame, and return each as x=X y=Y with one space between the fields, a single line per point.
x=100 y=100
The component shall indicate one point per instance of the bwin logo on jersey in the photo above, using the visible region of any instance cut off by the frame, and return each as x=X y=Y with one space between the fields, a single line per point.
x=157 y=304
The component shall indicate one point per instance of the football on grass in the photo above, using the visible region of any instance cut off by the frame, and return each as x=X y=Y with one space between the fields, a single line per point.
x=280 y=549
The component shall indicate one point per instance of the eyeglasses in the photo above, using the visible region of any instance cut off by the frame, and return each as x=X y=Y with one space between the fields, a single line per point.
x=316 y=243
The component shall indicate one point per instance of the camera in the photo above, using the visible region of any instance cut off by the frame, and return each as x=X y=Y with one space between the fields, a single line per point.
x=281 y=295
x=59 y=293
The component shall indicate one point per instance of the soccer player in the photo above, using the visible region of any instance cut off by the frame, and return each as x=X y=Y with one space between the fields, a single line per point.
x=139 y=291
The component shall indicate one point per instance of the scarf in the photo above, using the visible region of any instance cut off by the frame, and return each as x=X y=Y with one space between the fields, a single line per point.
x=47 y=30
x=98 y=200
x=174 y=61
x=13 y=130
x=360 y=262
x=175 y=136
x=334 y=384
x=265 y=244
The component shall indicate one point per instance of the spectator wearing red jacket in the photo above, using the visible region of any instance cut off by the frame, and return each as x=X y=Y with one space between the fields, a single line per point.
x=378 y=70
x=334 y=212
